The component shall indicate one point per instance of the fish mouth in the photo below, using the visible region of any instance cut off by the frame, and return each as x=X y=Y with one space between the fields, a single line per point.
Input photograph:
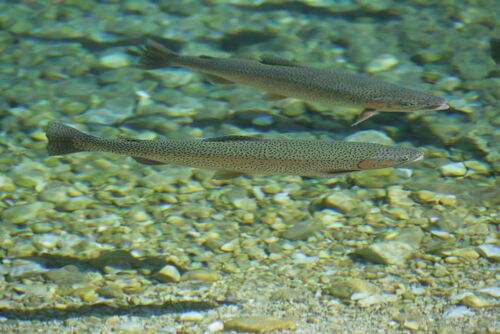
x=416 y=157
x=419 y=157
x=443 y=106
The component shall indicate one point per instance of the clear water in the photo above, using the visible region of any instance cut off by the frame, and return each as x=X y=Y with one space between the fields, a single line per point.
x=95 y=242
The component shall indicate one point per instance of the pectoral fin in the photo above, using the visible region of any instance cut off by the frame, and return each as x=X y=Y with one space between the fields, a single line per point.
x=217 y=80
x=148 y=161
x=273 y=97
x=367 y=113
x=226 y=174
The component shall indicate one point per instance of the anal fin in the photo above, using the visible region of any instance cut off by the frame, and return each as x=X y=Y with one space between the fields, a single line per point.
x=214 y=79
x=148 y=161
x=222 y=174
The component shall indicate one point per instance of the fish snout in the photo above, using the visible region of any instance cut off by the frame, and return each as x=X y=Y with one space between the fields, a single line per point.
x=443 y=106
x=411 y=156
x=392 y=158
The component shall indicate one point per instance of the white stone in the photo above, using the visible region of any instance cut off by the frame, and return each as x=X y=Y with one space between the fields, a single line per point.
x=454 y=169
x=114 y=60
x=383 y=63
x=191 y=316
x=457 y=312
x=215 y=326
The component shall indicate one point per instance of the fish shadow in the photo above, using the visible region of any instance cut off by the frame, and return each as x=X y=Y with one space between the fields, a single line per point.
x=119 y=259
x=102 y=310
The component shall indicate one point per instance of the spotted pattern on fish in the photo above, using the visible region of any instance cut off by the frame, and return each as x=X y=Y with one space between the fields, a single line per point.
x=252 y=157
x=282 y=77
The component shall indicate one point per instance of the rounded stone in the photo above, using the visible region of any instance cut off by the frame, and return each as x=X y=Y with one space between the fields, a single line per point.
x=114 y=60
x=454 y=169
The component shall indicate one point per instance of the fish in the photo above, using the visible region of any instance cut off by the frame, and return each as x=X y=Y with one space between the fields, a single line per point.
x=238 y=155
x=281 y=78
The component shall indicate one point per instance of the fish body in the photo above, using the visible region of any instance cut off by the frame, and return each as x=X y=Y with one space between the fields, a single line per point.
x=240 y=155
x=282 y=77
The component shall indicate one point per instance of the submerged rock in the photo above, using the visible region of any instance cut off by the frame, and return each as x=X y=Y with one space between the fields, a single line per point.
x=395 y=251
x=206 y=275
x=168 y=273
x=258 y=324
x=345 y=289
x=23 y=213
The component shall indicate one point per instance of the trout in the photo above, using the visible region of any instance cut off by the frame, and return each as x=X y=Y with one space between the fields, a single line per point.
x=233 y=156
x=282 y=78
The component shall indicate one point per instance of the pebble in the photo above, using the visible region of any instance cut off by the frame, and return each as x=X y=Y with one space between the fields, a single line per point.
x=26 y=269
x=75 y=203
x=173 y=77
x=301 y=230
x=110 y=291
x=471 y=300
x=345 y=289
x=387 y=252
x=258 y=324
x=454 y=169
x=23 y=213
x=340 y=201
x=448 y=83
x=477 y=166
x=467 y=253
x=263 y=120
x=54 y=194
x=245 y=203
x=6 y=183
x=371 y=136
x=492 y=291
x=206 y=275
x=408 y=317
x=382 y=63
x=231 y=246
x=47 y=240
x=376 y=299
x=190 y=316
x=425 y=196
x=67 y=275
x=399 y=197
x=114 y=60
x=215 y=326
x=168 y=273
x=490 y=251
x=457 y=312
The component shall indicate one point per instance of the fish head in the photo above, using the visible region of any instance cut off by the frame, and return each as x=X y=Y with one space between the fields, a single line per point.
x=407 y=100
x=391 y=157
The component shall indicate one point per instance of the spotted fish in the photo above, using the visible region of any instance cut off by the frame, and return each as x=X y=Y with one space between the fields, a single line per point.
x=233 y=156
x=284 y=78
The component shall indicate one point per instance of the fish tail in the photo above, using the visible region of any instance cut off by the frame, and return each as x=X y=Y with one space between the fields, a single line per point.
x=156 y=55
x=64 y=139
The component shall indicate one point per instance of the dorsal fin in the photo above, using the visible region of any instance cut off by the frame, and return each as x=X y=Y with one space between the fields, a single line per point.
x=233 y=138
x=277 y=60
x=130 y=139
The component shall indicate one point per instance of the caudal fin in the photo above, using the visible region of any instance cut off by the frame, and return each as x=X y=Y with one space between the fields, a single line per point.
x=64 y=139
x=156 y=55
